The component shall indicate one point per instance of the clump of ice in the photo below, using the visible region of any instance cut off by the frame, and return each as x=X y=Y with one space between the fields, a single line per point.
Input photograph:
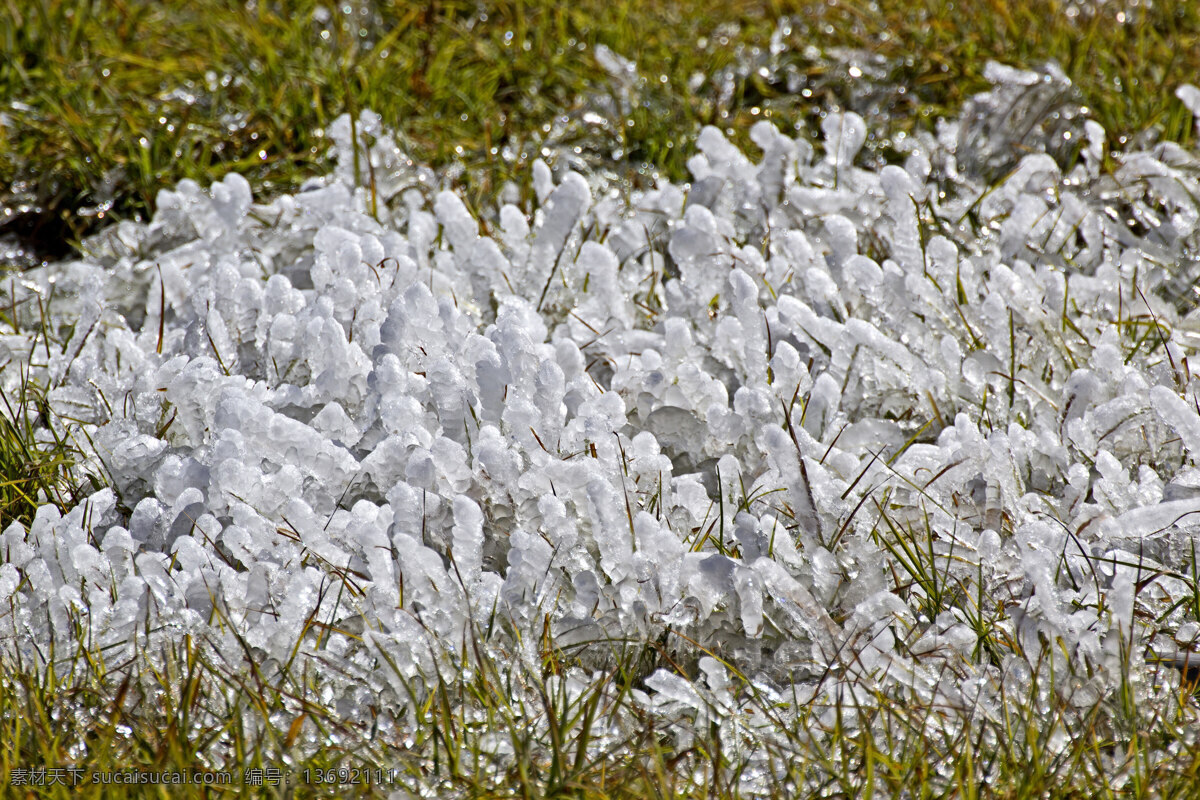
x=719 y=409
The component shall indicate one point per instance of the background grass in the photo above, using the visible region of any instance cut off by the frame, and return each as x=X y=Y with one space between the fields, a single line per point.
x=107 y=101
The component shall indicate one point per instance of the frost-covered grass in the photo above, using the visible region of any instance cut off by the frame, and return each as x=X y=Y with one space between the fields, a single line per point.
x=35 y=457
x=806 y=477
x=107 y=102
x=1039 y=748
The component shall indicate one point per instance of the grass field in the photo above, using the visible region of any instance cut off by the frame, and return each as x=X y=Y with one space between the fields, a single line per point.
x=105 y=103
x=108 y=102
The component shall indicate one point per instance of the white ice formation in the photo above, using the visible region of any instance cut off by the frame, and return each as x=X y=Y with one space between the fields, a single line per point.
x=927 y=431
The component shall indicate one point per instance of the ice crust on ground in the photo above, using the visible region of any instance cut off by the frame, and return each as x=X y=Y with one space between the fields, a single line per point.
x=711 y=408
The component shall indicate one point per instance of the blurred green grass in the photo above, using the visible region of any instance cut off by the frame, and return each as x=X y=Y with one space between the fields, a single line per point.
x=107 y=101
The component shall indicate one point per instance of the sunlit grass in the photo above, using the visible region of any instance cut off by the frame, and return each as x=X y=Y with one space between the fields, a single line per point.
x=110 y=102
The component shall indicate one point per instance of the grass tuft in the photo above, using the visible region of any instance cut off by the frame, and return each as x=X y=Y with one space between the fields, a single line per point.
x=38 y=452
x=113 y=101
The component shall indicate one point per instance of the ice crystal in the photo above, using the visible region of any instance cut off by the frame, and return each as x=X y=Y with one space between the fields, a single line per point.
x=804 y=413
